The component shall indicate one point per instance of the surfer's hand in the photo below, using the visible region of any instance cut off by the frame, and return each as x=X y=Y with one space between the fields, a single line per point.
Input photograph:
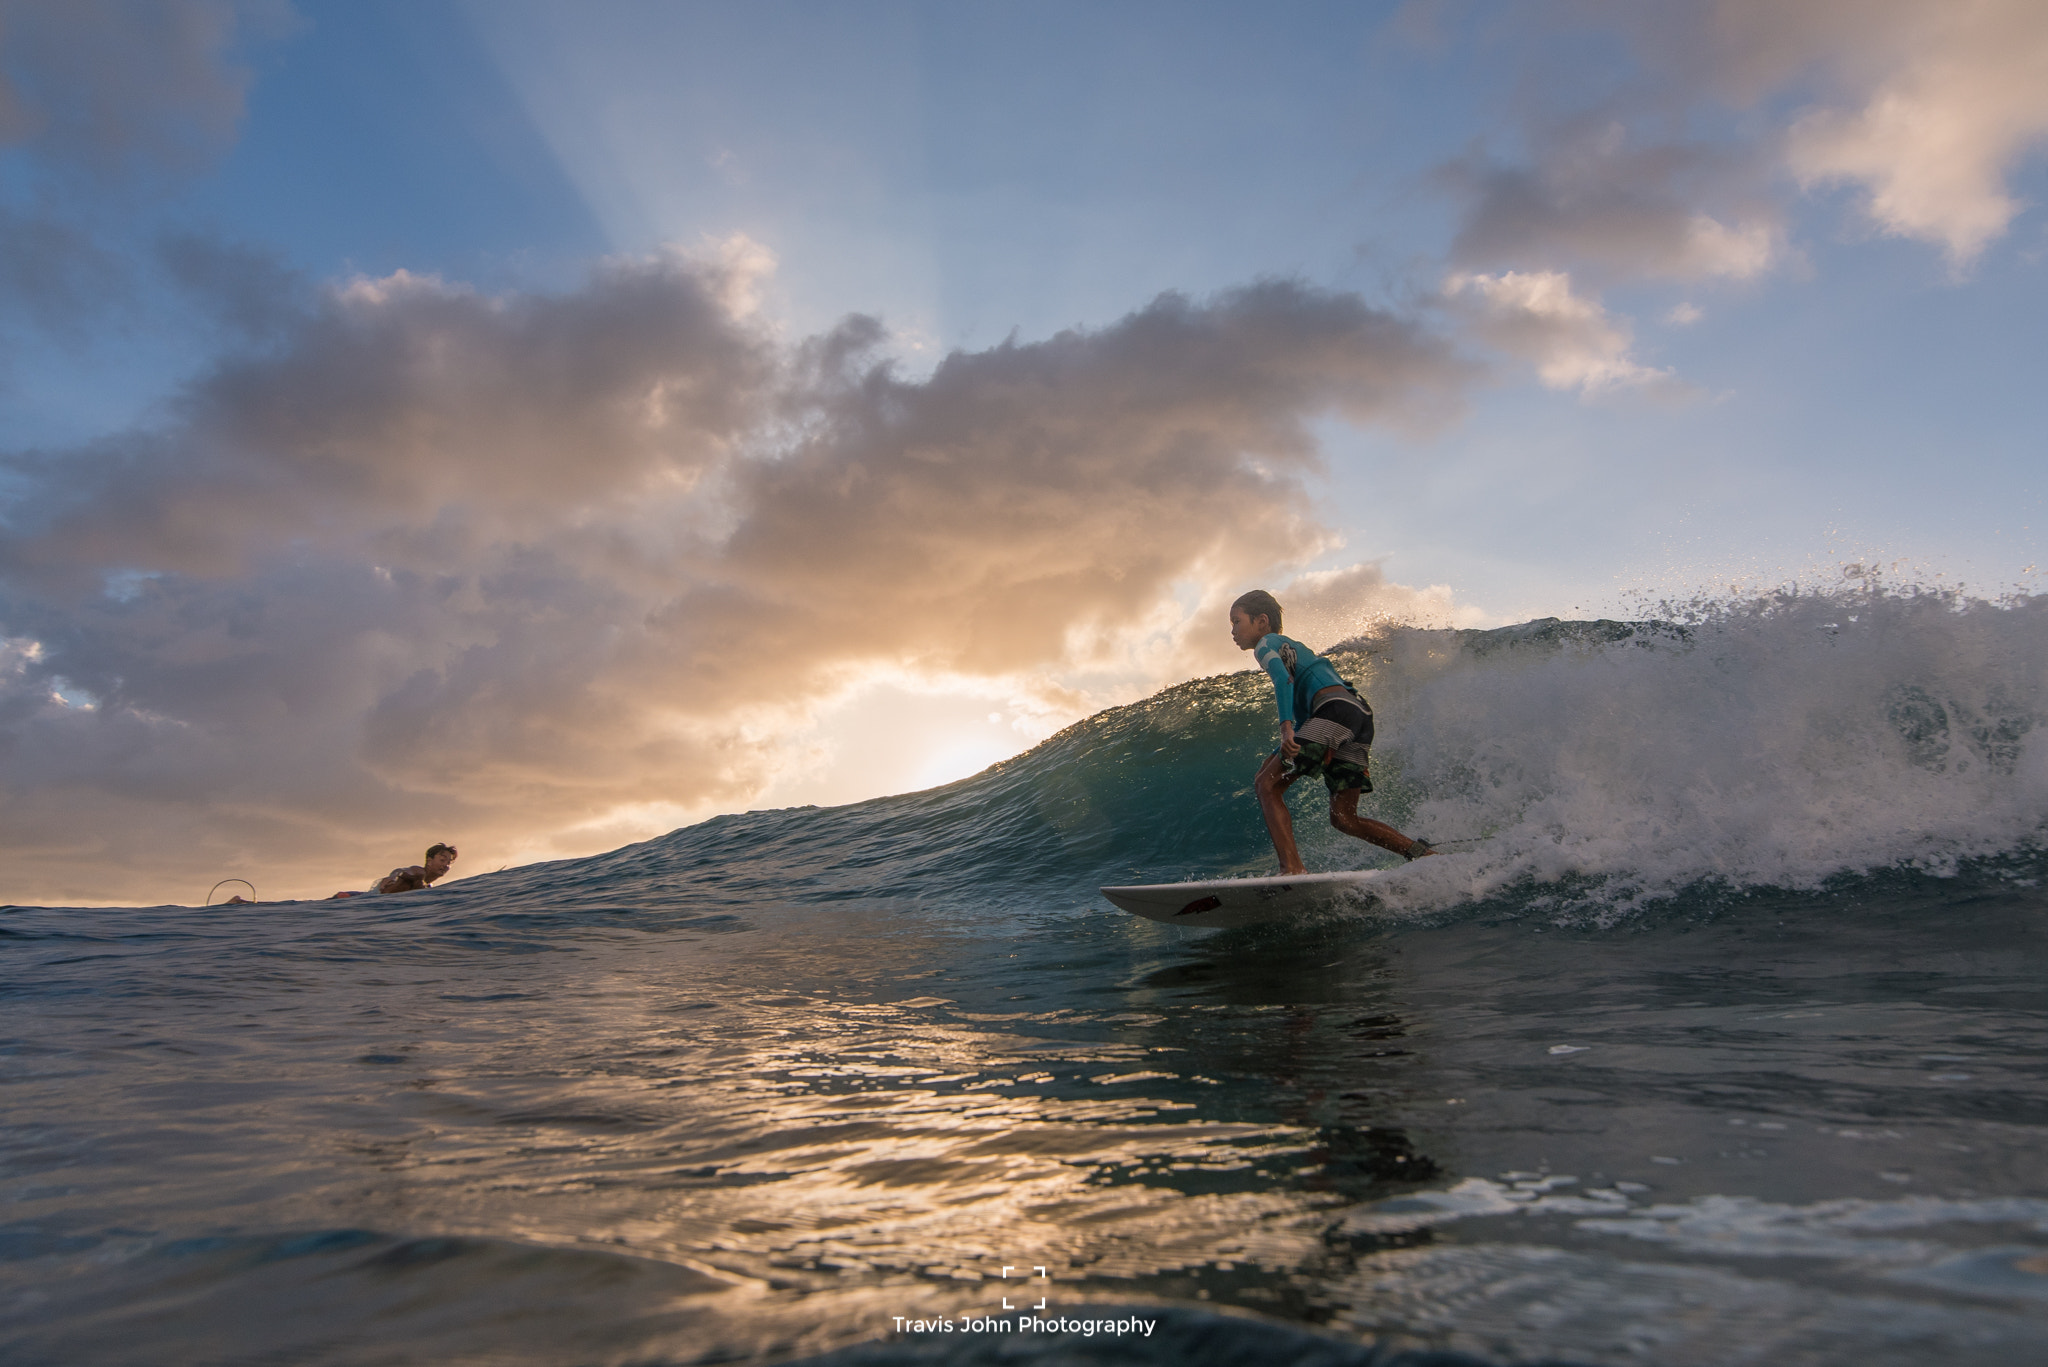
x=1289 y=746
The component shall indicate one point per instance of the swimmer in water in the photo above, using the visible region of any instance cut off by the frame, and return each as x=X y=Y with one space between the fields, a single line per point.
x=414 y=877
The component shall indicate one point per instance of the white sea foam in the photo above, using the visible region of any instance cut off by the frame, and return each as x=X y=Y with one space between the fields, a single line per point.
x=1775 y=742
x=1849 y=1229
x=1478 y=1196
x=1528 y=1302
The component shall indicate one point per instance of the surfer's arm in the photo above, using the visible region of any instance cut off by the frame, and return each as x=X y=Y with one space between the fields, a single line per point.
x=1268 y=656
x=403 y=880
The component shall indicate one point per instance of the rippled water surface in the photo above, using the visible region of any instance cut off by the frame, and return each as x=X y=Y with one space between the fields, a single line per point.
x=360 y=1133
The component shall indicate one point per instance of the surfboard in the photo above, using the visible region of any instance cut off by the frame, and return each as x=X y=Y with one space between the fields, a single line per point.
x=1222 y=903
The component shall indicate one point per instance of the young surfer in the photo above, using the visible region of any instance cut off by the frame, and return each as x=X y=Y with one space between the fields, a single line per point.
x=414 y=877
x=1333 y=738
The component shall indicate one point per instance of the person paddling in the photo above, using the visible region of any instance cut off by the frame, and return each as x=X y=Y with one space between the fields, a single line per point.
x=1333 y=738
x=414 y=877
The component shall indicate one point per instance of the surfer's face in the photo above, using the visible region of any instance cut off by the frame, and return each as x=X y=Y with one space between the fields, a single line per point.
x=1245 y=631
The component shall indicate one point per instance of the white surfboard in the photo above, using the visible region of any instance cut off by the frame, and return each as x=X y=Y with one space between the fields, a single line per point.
x=1221 y=903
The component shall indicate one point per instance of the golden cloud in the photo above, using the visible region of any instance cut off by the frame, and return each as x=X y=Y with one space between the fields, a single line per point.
x=434 y=564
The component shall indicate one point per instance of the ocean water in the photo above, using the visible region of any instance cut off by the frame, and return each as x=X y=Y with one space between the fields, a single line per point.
x=1719 y=1036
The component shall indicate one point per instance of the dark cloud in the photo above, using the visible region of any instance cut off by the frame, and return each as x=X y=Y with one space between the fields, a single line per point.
x=252 y=294
x=54 y=274
x=1747 y=51
x=426 y=418
x=104 y=104
x=1594 y=202
x=435 y=559
x=115 y=89
x=1022 y=491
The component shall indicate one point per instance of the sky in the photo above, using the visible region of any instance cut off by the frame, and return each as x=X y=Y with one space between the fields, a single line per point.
x=536 y=426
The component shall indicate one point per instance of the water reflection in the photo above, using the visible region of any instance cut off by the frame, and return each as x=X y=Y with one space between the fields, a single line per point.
x=776 y=1136
x=851 y=1126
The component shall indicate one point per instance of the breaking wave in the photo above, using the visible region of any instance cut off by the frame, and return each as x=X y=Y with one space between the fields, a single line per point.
x=1583 y=769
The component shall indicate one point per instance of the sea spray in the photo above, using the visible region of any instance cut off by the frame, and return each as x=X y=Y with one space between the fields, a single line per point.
x=1776 y=742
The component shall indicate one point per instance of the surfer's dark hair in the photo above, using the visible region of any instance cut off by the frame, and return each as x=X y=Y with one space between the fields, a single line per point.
x=433 y=850
x=1259 y=603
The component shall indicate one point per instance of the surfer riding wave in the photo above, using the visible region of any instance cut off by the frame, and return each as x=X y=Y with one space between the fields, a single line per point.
x=1334 y=739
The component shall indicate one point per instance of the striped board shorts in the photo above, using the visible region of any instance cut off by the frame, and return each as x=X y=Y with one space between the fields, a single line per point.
x=1336 y=743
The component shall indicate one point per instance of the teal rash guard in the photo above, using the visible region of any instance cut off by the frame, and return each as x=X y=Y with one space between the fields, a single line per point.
x=1298 y=674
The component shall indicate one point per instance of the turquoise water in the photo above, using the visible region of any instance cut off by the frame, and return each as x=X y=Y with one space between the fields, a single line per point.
x=1718 y=1037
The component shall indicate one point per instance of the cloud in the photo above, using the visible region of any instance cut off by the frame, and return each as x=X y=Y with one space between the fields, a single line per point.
x=1069 y=481
x=54 y=273
x=1959 y=95
x=249 y=292
x=1595 y=202
x=102 y=101
x=1925 y=106
x=1571 y=340
x=1326 y=607
x=114 y=90
x=435 y=564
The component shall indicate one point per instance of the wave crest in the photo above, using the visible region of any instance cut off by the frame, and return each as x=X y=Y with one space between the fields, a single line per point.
x=1777 y=741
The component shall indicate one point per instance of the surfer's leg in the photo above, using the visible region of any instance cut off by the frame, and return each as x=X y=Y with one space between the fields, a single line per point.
x=1274 y=777
x=1344 y=816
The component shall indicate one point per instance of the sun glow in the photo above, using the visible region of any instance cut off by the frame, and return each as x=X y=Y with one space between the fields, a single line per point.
x=961 y=756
